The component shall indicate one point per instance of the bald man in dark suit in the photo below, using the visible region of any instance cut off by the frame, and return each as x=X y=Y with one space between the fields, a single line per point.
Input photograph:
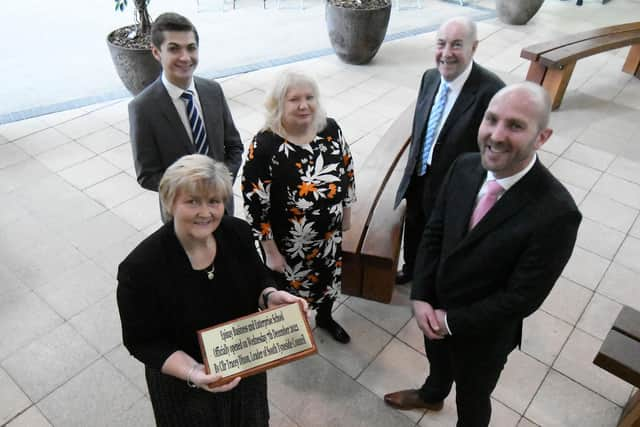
x=501 y=232
x=453 y=131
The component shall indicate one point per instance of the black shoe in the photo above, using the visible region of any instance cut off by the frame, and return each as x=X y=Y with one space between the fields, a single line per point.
x=335 y=330
x=403 y=278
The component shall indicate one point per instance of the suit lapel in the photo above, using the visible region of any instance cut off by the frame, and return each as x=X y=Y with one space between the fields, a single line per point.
x=464 y=201
x=425 y=109
x=169 y=113
x=512 y=202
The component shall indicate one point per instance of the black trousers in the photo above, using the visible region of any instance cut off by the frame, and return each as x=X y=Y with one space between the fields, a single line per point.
x=416 y=217
x=475 y=368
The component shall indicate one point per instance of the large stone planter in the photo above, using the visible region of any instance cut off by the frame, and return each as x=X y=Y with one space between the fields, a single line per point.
x=517 y=12
x=356 y=34
x=137 y=68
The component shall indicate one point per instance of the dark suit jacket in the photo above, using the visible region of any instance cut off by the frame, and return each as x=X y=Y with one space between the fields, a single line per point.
x=159 y=138
x=490 y=278
x=459 y=133
x=163 y=301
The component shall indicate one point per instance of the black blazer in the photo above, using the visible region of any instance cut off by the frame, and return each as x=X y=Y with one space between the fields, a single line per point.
x=459 y=133
x=490 y=278
x=163 y=302
x=158 y=137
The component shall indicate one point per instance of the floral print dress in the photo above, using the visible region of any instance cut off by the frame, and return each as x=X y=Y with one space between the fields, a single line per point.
x=295 y=194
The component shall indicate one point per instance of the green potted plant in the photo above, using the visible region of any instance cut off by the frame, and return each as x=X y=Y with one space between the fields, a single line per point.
x=130 y=49
x=357 y=28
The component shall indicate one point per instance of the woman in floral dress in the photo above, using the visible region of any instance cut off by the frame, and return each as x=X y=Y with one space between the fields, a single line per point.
x=298 y=185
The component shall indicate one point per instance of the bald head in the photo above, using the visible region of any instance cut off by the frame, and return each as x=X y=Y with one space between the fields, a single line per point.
x=533 y=94
x=470 y=27
x=455 y=46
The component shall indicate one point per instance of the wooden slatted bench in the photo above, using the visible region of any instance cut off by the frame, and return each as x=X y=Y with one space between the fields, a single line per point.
x=552 y=62
x=372 y=246
x=620 y=355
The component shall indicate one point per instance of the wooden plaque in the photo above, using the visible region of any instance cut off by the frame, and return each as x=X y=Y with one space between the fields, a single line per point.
x=257 y=342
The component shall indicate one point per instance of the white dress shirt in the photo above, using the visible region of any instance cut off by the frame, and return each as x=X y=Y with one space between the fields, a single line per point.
x=180 y=104
x=455 y=87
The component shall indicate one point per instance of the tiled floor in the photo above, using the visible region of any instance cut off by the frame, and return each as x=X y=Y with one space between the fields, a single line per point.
x=71 y=210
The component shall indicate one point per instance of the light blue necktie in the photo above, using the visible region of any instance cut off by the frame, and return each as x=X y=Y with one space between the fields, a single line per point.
x=432 y=126
x=198 y=131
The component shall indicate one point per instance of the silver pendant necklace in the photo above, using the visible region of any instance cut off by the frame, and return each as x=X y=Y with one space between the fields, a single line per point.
x=211 y=273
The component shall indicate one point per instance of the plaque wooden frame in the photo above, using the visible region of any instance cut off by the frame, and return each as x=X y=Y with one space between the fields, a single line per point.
x=203 y=335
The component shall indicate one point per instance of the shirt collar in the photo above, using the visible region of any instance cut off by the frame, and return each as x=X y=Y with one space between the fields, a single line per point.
x=176 y=91
x=510 y=181
x=455 y=86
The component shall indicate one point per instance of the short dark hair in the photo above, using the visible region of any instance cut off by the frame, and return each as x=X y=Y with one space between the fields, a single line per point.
x=170 y=22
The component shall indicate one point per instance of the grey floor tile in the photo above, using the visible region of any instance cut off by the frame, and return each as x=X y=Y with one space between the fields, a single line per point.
x=576 y=362
x=599 y=316
x=140 y=211
x=567 y=300
x=608 y=212
x=129 y=366
x=49 y=361
x=77 y=289
x=331 y=397
x=367 y=340
x=445 y=417
x=114 y=190
x=543 y=336
x=32 y=417
x=619 y=189
x=103 y=140
x=629 y=253
x=111 y=256
x=520 y=381
x=621 y=285
x=81 y=126
x=42 y=141
x=14 y=400
x=524 y=422
x=100 y=324
x=585 y=268
x=64 y=156
x=575 y=173
x=139 y=415
x=502 y=415
x=561 y=402
x=94 y=234
x=411 y=335
x=89 y=172
x=625 y=169
x=278 y=418
x=397 y=367
x=121 y=157
x=99 y=393
x=598 y=238
x=17 y=176
x=10 y=154
x=23 y=317
x=391 y=317
x=9 y=282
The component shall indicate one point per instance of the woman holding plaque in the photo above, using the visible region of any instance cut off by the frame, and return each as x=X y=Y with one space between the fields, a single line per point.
x=298 y=185
x=198 y=270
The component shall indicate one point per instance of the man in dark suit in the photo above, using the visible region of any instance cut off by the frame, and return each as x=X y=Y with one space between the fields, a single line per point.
x=437 y=139
x=180 y=114
x=501 y=232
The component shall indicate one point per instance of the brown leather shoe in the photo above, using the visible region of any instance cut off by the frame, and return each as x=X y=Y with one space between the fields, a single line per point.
x=410 y=399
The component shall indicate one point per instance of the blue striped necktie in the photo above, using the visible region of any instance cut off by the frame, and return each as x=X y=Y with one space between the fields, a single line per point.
x=197 y=126
x=432 y=126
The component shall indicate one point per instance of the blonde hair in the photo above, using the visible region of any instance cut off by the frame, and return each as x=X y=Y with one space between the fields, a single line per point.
x=194 y=173
x=274 y=102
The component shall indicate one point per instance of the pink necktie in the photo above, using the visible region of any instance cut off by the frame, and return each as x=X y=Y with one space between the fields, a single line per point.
x=486 y=202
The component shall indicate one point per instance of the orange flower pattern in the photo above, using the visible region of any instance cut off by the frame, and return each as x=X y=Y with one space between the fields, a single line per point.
x=295 y=194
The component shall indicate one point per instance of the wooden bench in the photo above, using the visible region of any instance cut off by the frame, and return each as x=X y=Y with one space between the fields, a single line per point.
x=620 y=355
x=552 y=62
x=372 y=246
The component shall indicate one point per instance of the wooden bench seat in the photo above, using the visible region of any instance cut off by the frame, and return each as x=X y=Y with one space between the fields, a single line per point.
x=372 y=246
x=620 y=355
x=552 y=62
